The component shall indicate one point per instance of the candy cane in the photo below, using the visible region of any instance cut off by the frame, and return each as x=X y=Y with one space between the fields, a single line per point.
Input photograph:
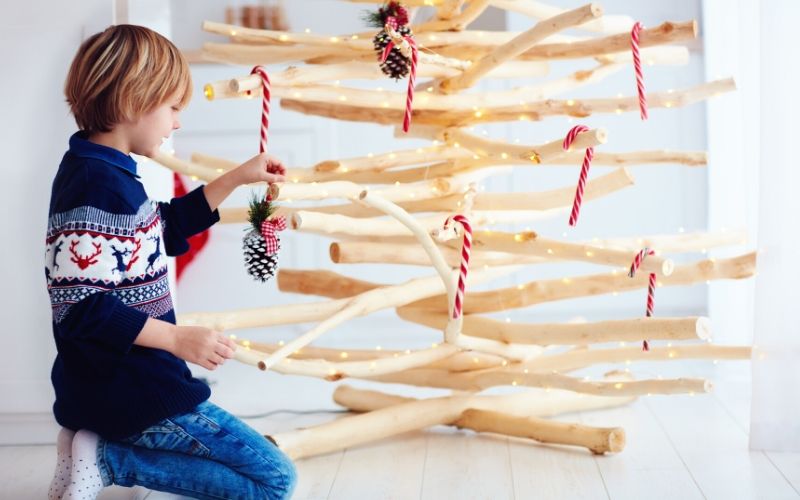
x=587 y=162
x=412 y=74
x=637 y=68
x=466 y=247
x=264 y=106
x=651 y=286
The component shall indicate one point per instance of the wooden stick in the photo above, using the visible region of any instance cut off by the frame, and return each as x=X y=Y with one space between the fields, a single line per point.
x=333 y=371
x=361 y=252
x=518 y=45
x=457 y=362
x=557 y=198
x=457 y=23
x=529 y=243
x=537 y=292
x=531 y=402
x=486 y=147
x=407 y=416
x=628 y=330
x=494 y=377
x=538 y=10
x=598 y=440
x=578 y=359
x=263 y=316
x=387 y=111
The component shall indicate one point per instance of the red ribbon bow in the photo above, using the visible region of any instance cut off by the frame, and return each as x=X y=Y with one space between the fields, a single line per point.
x=269 y=230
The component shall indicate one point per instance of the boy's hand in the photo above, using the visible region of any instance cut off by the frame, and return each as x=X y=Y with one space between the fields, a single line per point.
x=261 y=168
x=202 y=346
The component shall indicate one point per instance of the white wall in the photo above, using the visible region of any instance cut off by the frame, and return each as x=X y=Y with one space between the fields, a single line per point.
x=37 y=42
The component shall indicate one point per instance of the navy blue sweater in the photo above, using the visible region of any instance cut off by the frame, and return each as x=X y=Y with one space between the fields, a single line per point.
x=106 y=271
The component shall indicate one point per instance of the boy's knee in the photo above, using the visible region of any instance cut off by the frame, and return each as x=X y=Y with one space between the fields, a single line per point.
x=282 y=487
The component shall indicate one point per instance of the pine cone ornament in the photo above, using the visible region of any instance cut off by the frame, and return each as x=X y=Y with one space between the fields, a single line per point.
x=261 y=243
x=396 y=64
x=258 y=263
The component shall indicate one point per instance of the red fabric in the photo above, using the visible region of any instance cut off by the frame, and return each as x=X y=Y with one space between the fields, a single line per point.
x=196 y=242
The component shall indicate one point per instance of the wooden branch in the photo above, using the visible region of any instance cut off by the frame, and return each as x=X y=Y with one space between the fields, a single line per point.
x=284 y=314
x=333 y=371
x=518 y=45
x=457 y=362
x=389 y=111
x=362 y=252
x=186 y=168
x=448 y=9
x=538 y=10
x=598 y=440
x=628 y=330
x=578 y=359
x=529 y=243
x=486 y=147
x=532 y=402
x=557 y=198
x=457 y=23
x=537 y=292
x=410 y=415
x=392 y=159
x=494 y=377
x=677 y=243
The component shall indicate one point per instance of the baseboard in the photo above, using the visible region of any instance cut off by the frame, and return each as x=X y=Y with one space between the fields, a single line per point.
x=17 y=429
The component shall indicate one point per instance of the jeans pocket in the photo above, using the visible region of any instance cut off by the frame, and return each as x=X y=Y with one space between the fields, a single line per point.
x=167 y=435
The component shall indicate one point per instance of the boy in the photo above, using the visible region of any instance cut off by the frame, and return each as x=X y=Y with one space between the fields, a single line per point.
x=120 y=376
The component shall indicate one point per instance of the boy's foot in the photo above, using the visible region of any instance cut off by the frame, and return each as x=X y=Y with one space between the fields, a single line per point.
x=85 y=481
x=61 y=476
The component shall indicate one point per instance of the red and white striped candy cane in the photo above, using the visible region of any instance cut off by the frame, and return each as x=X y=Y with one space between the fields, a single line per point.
x=412 y=77
x=466 y=247
x=587 y=162
x=637 y=68
x=264 y=106
x=651 y=286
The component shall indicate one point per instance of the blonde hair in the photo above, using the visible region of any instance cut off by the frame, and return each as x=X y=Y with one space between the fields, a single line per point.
x=123 y=73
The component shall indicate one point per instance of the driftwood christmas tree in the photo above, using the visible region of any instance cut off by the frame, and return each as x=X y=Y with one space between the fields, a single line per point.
x=394 y=207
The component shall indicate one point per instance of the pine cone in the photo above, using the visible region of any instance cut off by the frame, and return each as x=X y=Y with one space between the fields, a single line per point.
x=396 y=65
x=259 y=265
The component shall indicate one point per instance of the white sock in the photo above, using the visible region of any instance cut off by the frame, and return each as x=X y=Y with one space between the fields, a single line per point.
x=61 y=476
x=85 y=480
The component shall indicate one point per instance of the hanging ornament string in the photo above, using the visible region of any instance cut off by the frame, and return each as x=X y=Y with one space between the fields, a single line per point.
x=411 y=53
x=587 y=162
x=466 y=247
x=637 y=68
x=651 y=286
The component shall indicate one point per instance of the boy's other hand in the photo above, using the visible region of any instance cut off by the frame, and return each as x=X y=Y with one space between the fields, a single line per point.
x=261 y=168
x=203 y=346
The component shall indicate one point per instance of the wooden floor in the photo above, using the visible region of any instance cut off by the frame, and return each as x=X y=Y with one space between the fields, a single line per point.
x=682 y=447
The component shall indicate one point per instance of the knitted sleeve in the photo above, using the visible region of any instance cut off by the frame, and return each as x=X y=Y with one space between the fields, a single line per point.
x=184 y=217
x=89 y=253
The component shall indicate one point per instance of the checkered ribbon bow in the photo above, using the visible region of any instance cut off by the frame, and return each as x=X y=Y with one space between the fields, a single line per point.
x=269 y=230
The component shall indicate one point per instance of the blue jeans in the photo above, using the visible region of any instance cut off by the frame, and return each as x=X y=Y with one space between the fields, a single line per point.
x=206 y=453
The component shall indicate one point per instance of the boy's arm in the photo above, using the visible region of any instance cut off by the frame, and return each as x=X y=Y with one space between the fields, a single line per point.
x=197 y=211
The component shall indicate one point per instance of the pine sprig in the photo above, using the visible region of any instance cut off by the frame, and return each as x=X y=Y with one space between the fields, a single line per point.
x=377 y=19
x=260 y=210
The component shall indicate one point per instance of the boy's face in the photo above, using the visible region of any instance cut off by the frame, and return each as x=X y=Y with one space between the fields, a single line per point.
x=151 y=129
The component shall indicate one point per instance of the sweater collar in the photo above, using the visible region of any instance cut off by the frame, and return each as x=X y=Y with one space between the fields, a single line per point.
x=80 y=145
